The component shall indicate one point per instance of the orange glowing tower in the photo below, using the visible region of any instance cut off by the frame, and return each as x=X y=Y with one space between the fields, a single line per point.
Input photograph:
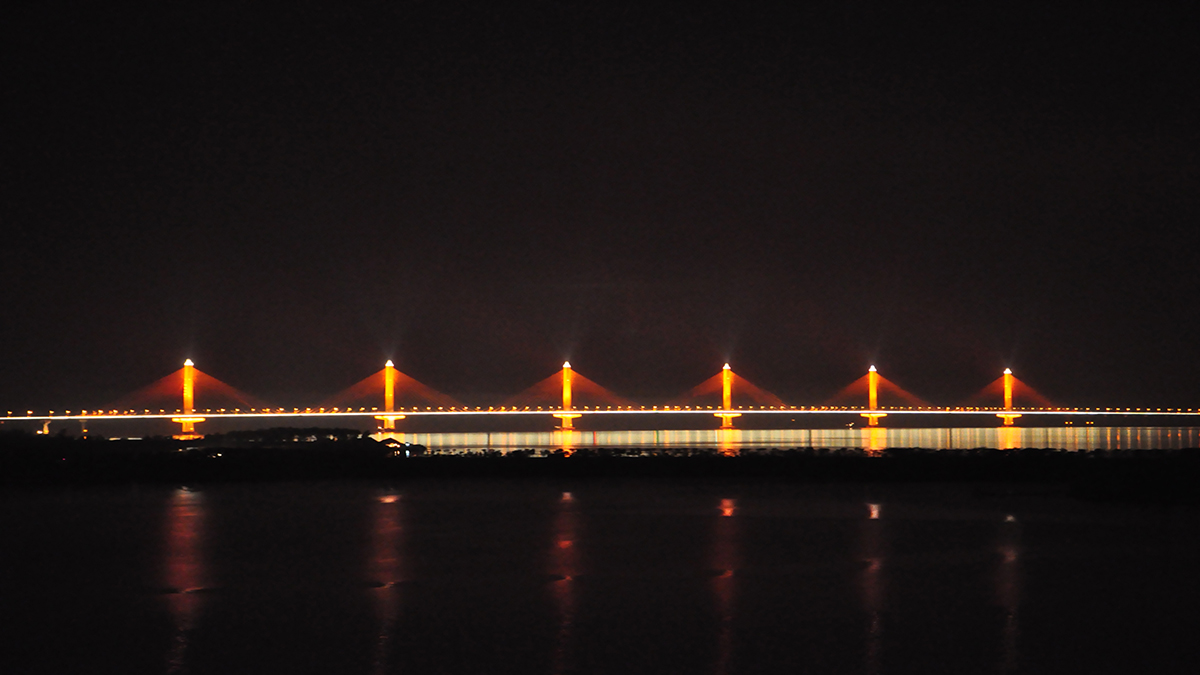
x=567 y=417
x=189 y=419
x=189 y=387
x=727 y=413
x=389 y=397
x=1008 y=416
x=873 y=398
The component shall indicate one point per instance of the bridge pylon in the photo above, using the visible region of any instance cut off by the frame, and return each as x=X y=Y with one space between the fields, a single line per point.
x=727 y=413
x=1008 y=416
x=388 y=419
x=566 y=415
x=873 y=398
x=188 y=419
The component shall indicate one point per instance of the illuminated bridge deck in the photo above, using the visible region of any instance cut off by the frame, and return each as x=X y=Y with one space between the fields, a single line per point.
x=1180 y=414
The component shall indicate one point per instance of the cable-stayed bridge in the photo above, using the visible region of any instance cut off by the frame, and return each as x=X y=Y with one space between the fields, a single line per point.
x=390 y=387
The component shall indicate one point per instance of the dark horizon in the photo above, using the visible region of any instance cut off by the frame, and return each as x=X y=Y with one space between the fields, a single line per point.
x=292 y=197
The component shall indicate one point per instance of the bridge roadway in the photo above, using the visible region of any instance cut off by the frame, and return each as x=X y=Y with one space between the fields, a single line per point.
x=307 y=413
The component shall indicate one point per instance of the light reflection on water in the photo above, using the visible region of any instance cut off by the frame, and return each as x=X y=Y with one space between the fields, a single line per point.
x=386 y=573
x=183 y=570
x=873 y=554
x=725 y=562
x=873 y=440
x=843 y=578
x=564 y=564
x=1008 y=590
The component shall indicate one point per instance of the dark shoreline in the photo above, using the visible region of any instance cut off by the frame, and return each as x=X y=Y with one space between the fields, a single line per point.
x=1145 y=476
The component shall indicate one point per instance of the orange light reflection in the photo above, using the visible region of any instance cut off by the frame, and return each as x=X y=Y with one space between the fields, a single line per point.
x=725 y=561
x=729 y=441
x=1008 y=591
x=874 y=554
x=386 y=573
x=184 y=570
x=874 y=441
x=565 y=565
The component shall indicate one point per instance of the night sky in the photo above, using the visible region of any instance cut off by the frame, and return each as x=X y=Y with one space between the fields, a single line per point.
x=290 y=197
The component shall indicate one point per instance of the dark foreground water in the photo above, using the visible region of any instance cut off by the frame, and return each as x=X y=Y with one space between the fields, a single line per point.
x=531 y=577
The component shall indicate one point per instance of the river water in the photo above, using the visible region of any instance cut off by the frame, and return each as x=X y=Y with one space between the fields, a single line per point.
x=495 y=576
x=869 y=438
